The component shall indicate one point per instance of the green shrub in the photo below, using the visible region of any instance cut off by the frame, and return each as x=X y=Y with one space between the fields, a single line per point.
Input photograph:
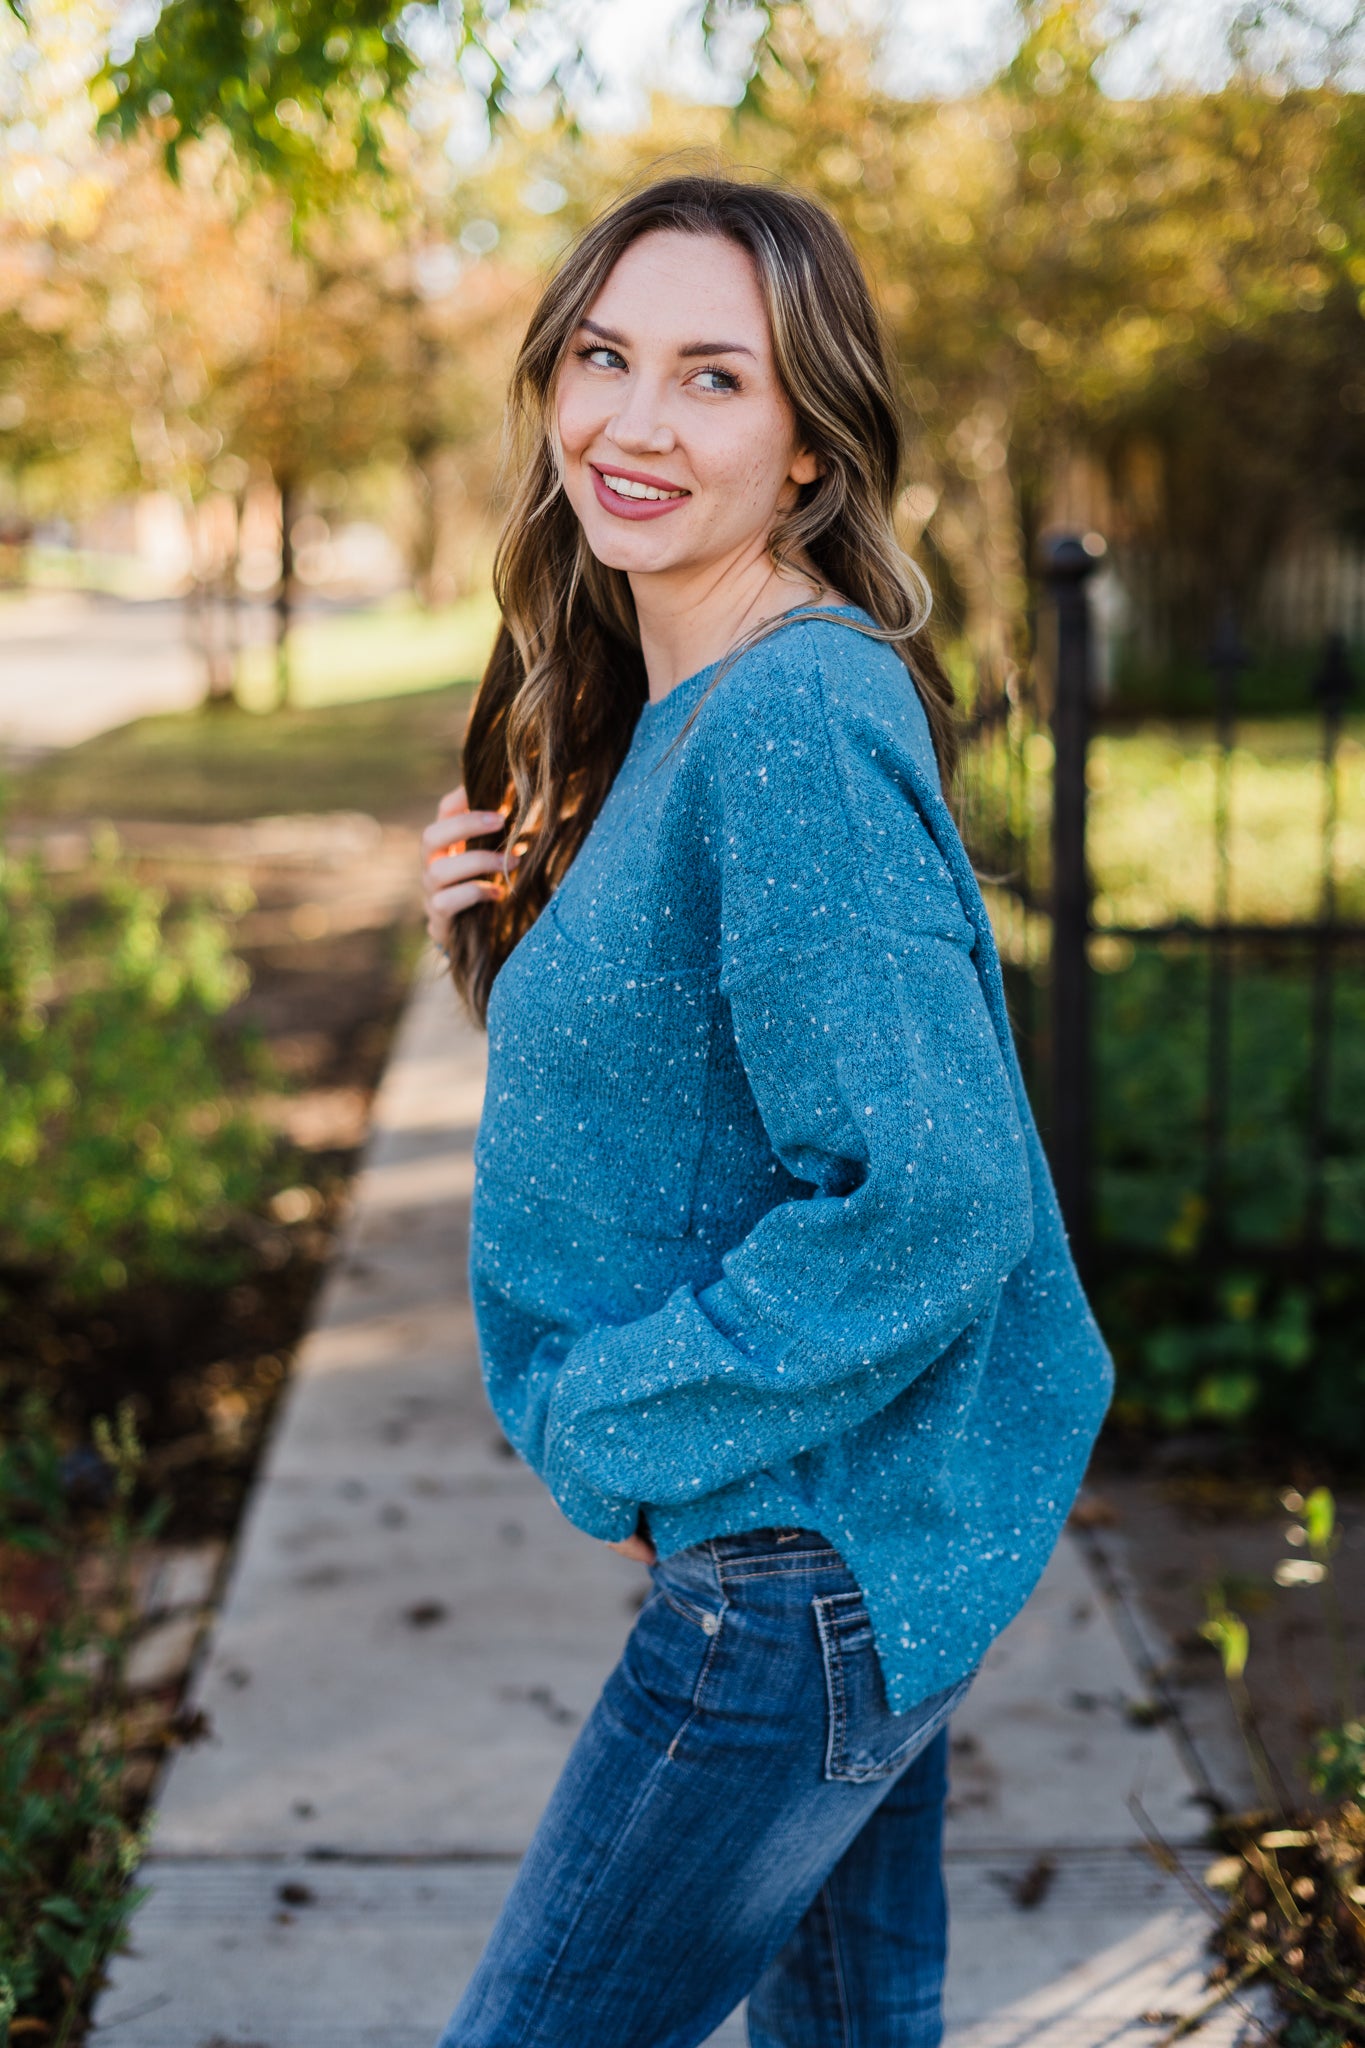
x=124 y=1156
x=1151 y=1101
x=1251 y=1328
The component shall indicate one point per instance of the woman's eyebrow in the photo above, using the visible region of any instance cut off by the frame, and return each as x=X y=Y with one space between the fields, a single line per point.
x=691 y=348
x=715 y=348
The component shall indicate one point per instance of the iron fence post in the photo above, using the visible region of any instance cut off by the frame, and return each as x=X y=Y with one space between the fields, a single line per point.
x=1227 y=659
x=1333 y=686
x=1067 y=564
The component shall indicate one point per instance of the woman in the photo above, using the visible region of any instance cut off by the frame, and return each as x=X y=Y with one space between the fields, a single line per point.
x=770 y=1281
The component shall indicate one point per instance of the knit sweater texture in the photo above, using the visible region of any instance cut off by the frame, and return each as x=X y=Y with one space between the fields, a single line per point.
x=762 y=1232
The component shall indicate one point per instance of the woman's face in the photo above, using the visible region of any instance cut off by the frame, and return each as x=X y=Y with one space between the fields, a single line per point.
x=678 y=444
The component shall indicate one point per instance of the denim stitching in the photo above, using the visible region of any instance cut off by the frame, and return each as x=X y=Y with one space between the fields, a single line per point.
x=837 y=1763
x=712 y=1644
x=922 y=1736
x=681 y=1606
x=832 y=1930
x=782 y=1568
x=834 y=1687
x=654 y=1773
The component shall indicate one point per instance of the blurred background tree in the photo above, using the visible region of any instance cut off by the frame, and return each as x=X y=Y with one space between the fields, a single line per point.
x=296 y=257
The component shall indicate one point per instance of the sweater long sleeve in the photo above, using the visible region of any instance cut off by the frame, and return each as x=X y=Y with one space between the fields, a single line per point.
x=761 y=1232
x=876 y=1070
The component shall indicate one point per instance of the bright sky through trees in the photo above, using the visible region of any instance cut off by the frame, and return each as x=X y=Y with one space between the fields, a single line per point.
x=927 y=49
x=940 y=48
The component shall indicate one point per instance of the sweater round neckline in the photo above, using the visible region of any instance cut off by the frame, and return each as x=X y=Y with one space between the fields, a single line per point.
x=655 y=710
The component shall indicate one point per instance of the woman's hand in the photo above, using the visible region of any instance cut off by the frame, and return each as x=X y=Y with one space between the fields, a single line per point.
x=637 y=1546
x=454 y=878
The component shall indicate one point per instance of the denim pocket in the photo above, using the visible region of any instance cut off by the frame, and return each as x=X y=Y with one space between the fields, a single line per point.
x=866 y=1740
x=686 y=1581
x=707 y=1619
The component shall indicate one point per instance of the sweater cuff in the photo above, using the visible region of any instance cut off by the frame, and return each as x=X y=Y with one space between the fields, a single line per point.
x=605 y=1516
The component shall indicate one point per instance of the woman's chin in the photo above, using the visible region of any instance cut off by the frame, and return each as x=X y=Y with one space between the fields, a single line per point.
x=634 y=551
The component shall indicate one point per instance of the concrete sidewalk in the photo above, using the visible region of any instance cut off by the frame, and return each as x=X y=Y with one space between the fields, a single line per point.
x=412 y=1635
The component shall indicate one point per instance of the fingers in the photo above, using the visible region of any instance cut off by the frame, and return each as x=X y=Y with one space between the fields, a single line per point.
x=455 y=824
x=445 y=870
x=455 y=876
x=447 y=904
x=444 y=905
x=637 y=1548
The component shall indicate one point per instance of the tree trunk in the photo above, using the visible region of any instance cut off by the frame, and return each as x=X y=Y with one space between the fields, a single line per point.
x=284 y=593
x=440 y=565
x=976 y=527
x=215 y=532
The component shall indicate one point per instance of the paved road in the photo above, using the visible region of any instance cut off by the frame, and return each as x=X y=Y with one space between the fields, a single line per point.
x=76 y=663
x=73 y=664
x=412 y=1635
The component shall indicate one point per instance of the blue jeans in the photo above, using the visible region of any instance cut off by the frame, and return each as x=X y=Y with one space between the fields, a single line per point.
x=741 y=1814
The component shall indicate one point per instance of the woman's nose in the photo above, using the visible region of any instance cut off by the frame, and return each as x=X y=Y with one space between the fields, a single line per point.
x=640 y=422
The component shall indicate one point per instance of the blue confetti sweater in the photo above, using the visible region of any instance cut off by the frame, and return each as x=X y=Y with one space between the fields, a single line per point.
x=762 y=1232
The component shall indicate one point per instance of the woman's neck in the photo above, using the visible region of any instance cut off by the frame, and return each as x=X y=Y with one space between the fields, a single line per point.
x=685 y=627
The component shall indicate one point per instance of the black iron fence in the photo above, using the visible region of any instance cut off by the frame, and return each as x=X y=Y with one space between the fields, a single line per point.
x=1199 y=1063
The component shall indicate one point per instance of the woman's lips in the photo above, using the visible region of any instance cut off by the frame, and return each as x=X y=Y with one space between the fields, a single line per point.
x=632 y=508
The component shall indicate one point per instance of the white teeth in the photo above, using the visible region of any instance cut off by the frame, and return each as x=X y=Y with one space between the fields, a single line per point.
x=625 y=488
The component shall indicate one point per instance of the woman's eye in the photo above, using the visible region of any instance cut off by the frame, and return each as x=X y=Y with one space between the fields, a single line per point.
x=593 y=355
x=724 y=380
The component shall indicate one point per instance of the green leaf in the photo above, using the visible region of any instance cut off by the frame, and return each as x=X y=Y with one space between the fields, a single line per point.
x=1319 y=1520
x=1232 y=1639
x=64 y=1909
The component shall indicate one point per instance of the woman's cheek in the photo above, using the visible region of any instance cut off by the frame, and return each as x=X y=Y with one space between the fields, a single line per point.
x=732 y=472
x=572 y=420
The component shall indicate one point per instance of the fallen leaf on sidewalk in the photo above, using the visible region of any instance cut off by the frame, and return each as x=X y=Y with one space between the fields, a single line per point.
x=1093 y=1511
x=1034 y=1886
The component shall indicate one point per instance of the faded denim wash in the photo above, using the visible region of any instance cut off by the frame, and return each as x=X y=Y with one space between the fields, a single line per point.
x=741 y=1814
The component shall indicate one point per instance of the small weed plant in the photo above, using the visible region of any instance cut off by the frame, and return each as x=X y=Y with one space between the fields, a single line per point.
x=1294 y=1873
x=67 y=1847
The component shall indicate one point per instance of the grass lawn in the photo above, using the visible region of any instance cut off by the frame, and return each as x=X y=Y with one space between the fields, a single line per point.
x=1152 y=798
x=380 y=699
x=1151 y=839
x=389 y=756
x=386 y=650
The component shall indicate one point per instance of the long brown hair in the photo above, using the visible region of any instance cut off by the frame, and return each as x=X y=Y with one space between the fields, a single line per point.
x=566 y=680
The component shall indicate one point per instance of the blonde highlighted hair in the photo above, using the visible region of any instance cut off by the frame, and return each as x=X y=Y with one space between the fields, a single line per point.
x=566 y=681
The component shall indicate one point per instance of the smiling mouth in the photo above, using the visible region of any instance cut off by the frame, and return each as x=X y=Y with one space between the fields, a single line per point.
x=626 y=487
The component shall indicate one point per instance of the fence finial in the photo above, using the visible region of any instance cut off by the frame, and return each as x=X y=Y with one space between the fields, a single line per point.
x=1067 y=561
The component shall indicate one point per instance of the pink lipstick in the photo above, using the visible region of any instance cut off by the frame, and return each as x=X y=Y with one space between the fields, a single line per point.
x=635 y=508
